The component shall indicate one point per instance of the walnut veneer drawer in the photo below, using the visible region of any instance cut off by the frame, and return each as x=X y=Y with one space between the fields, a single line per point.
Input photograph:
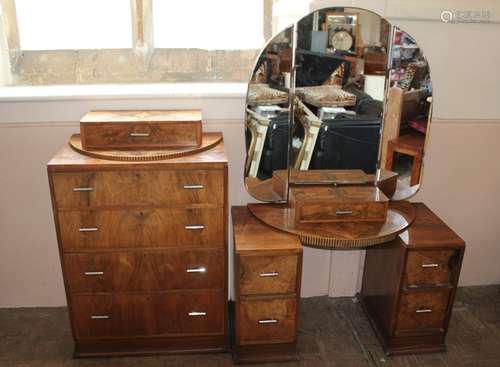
x=145 y=271
x=160 y=227
x=196 y=313
x=422 y=312
x=267 y=274
x=267 y=321
x=138 y=188
x=430 y=268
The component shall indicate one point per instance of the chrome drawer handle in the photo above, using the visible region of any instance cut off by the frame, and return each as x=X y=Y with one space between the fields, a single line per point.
x=196 y=313
x=271 y=274
x=94 y=273
x=89 y=229
x=430 y=265
x=194 y=227
x=193 y=187
x=423 y=310
x=343 y=212
x=82 y=189
x=268 y=321
x=196 y=270
x=99 y=317
x=139 y=135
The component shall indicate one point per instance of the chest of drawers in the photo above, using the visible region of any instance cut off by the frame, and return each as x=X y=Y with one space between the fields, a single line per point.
x=143 y=249
x=267 y=276
x=409 y=285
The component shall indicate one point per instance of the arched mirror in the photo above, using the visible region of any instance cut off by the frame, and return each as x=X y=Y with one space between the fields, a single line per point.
x=341 y=97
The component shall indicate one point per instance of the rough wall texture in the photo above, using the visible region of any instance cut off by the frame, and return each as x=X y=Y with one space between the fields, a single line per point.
x=121 y=66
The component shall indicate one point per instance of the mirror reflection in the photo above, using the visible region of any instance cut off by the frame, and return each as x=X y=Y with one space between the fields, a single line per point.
x=342 y=97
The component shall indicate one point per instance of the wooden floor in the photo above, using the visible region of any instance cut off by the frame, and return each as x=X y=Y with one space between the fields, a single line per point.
x=333 y=332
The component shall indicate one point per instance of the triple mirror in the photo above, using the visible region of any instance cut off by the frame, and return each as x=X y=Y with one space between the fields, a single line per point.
x=341 y=97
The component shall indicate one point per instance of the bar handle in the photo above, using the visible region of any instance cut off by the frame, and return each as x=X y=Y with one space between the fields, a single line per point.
x=197 y=313
x=270 y=274
x=193 y=187
x=194 y=227
x=430 y=265
x=99 y=317
x=343 y=212
x=82 y=189
x=94 y=273
x=88 y=229
x=423 y=310
x=139 y=135
x=201 y=269
x=268 y=321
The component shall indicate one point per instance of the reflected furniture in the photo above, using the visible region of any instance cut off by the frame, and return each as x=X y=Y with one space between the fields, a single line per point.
x=267 y=275
x=143 y=248
x=409 y=285
x=410 y=144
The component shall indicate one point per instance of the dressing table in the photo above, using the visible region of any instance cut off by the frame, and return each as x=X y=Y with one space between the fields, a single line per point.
x=314 y=163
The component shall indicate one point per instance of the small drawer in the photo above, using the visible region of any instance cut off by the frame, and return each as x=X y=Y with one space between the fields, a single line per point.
x=422 y=312
x=135 y=189
x=196 y=313
x=147 y=271
x=266 y=321
x=267 y=274
x=430 y=268
x=141 y=129
x=160 y=227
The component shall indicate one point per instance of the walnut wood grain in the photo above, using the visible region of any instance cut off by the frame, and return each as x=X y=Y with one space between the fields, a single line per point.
x=321 y=204
x=409 y=306
x=422 y=312
x=67 y=160
x=138 y=188
x=145 y=271
x=268 y=274
x=148 y=314
x=141 y=228
x=208 y=141
x=252 y=313
x=340 y=234
x=141 y=129
x=430 y=268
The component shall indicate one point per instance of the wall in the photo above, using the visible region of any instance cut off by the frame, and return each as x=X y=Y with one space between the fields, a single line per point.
x=461 y=179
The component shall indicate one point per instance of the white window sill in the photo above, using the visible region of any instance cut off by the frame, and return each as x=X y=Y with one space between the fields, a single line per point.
x=122 y=91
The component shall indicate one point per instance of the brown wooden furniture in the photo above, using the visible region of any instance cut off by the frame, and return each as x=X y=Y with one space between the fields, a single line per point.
x=327 y=204
x=409 y=285
x=141 y=129
x=267 y=275
x=143 y=249
x=410 y=144
x=336 y=235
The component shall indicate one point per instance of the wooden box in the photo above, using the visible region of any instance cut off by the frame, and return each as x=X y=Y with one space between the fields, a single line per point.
x=323 y=204
x=161 y=129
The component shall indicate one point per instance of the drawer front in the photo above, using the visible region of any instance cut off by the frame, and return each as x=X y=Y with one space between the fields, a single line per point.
x=340 y=212
x=422 y=312
x=267 y=274
x=147 y=271
x=98 y=229
x=141 y=135
x=424 y=268
x=125 y=315
x=138 y=188
x=266 y=321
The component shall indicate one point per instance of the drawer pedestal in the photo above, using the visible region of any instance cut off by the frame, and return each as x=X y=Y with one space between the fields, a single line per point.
x=409 y=285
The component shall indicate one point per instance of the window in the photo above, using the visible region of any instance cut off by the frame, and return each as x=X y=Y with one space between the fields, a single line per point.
x=212 y=25
x=74 y=24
